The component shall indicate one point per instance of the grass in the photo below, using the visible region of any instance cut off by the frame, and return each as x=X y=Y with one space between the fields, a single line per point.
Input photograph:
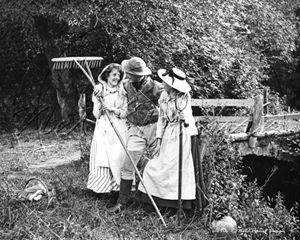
x=74 y=213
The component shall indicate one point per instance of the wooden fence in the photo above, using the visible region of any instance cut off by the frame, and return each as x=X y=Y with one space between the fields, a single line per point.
x=258 y=108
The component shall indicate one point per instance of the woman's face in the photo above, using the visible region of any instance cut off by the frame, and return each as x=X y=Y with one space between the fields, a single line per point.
x=113 y=78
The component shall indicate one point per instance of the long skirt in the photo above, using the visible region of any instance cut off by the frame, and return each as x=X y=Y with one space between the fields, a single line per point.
x=201 y=201
x=198 y=151
x=106 y=155
x=161 y=174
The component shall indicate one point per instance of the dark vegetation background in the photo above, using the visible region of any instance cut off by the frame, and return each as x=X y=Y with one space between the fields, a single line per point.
x=230 y=49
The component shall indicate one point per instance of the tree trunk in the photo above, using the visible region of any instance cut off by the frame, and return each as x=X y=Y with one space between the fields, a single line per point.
x=66 y=92
x=50 y=31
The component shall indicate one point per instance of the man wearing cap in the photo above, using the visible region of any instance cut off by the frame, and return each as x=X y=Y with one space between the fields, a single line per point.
x=142 y=114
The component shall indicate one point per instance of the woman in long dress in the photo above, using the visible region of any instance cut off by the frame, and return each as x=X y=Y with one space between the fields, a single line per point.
x=106 y=152
x=161 y=174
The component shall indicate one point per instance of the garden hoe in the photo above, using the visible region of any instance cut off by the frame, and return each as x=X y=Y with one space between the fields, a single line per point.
x=180 y=107
x=85 y=63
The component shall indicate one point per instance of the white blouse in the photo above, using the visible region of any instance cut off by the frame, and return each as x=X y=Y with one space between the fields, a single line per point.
x=169 y=109
x=112 y=97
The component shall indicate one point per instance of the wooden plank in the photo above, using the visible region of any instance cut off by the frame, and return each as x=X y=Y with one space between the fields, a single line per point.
x=221 y=118
x=294 y=116
x=239 y=137
x=289 y=116
x=222 y=102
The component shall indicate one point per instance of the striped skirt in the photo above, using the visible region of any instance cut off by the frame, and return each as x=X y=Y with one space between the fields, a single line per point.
x=101 y=180
x=106 y=156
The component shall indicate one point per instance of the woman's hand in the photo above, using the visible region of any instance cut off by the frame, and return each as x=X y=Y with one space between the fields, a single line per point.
x=98 y=90
x=183 y=117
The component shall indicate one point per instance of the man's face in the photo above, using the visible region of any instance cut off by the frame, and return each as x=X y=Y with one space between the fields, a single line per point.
x=134 y=78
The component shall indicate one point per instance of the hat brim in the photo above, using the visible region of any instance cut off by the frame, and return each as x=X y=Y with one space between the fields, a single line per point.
x=146 y=71
x=180 y=85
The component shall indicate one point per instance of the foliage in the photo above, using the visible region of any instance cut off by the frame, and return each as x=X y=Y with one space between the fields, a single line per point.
x=224 y=47
x=23 y=67
x=291 y=146
x=284 y=75
x=229 y=194
x=228 y=49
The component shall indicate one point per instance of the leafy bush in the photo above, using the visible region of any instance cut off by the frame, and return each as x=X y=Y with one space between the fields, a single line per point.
x=229 y=194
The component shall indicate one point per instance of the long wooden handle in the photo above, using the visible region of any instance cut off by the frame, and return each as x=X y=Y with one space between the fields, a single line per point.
x=89 y=75
x=126 y=150
x=179 y=173
x=136 y=169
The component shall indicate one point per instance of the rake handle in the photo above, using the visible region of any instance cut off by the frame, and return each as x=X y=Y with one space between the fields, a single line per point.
x=89 y=75
x=135 y=167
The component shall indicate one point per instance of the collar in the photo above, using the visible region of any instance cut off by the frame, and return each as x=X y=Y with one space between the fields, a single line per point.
x=171 y=96
x=112 y=89
x=138 y=85
x=144 y=81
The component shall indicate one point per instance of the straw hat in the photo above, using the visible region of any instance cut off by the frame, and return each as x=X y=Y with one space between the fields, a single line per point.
x=136 y=66
x=175 y=78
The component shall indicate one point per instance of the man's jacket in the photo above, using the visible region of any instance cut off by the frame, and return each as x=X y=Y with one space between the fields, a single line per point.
x=143 y=101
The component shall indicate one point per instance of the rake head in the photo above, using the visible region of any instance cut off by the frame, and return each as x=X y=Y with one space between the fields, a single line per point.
x=70 y=62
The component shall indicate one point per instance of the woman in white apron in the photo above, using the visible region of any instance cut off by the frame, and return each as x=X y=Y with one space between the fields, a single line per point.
x=161 y=174
x=107 y=153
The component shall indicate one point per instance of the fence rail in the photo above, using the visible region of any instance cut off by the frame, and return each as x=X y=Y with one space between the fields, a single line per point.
x=258 y=117
x=223 y=102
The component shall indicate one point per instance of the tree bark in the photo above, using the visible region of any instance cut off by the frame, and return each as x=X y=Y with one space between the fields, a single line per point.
x=50 y=30
x=66 y=92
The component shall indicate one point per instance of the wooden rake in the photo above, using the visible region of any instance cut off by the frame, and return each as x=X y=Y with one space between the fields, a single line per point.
x=84 y=63
x=73 y=62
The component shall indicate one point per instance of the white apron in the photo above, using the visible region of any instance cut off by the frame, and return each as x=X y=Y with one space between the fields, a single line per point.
x=107 y=152
x=106 y=148
x=161 y=174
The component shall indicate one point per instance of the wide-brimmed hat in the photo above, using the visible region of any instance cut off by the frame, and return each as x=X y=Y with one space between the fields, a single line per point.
x=136 y=66
x=108 y=69
x=175 y=78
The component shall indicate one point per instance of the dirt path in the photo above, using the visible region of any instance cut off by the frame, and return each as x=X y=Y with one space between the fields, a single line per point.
x=32 y=151
x=61 y=156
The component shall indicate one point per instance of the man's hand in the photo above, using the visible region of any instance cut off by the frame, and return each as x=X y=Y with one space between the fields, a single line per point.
x=114 y=110
x=111 y=109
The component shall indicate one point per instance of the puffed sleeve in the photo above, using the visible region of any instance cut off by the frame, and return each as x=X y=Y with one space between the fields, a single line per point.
x=190 y=118
x=162 y=120
x=158 y=89
x=97 y=107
